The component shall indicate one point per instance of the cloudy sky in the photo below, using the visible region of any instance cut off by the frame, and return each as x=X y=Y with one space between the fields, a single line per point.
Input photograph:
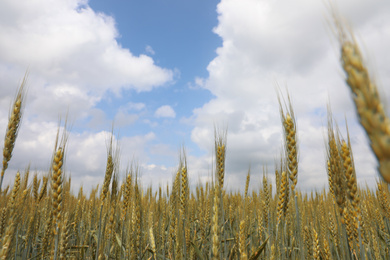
x=167 y=72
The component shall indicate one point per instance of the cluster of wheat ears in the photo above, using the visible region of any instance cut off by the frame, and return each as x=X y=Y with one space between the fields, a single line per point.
x=123 y=221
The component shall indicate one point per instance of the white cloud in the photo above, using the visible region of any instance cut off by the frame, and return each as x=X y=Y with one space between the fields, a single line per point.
x=199 y=81
x=124 y=119
x=149 y=122
x=68 y=42
x=86 y=152
x=149 y=50
x=197 y=84
x=288 y=42
x=135 y=106
x=74 y=59
x=165 y=111
x=128 y=114
x=72 y=55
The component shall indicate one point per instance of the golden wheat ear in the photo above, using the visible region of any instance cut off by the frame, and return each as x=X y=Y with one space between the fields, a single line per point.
x=111 y=167
x=291 y=142
x=14 y=120
x=366 y=97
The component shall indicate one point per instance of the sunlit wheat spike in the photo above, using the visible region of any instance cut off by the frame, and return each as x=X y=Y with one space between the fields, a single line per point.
x=56 y=184
x=220 y=153
x=14 y=193
x=14 y=121
x=242 y=241
x=283 y=198
x=111 y=166
x=36 y=184
x=266 y=204
x=350 y=174
x=43 y=191
x=248 y=177
x=366 y=98
x=337 y=180
x=57 y=187
x=184 y=191
x=107 y=177
x=127 y=193
x=316 y=245
x=290 y=136
x=64 y=237
x=7 y=240
x=384 y=198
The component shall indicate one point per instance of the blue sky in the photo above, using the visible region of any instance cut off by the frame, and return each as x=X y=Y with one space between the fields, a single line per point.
x=178 y=35
x=167 y=72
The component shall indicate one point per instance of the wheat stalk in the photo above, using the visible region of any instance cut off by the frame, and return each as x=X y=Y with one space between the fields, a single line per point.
x=215 y=225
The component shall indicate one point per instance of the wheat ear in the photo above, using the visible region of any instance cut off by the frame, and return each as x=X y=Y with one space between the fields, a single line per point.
x=242 y=241
x=14 y=120
x=366 y=98
x=220 y=154
x=111 y=163
x=291 y=146
x=6 y=245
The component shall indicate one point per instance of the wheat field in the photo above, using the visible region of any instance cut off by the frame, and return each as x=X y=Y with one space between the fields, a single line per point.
x=42 y=219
